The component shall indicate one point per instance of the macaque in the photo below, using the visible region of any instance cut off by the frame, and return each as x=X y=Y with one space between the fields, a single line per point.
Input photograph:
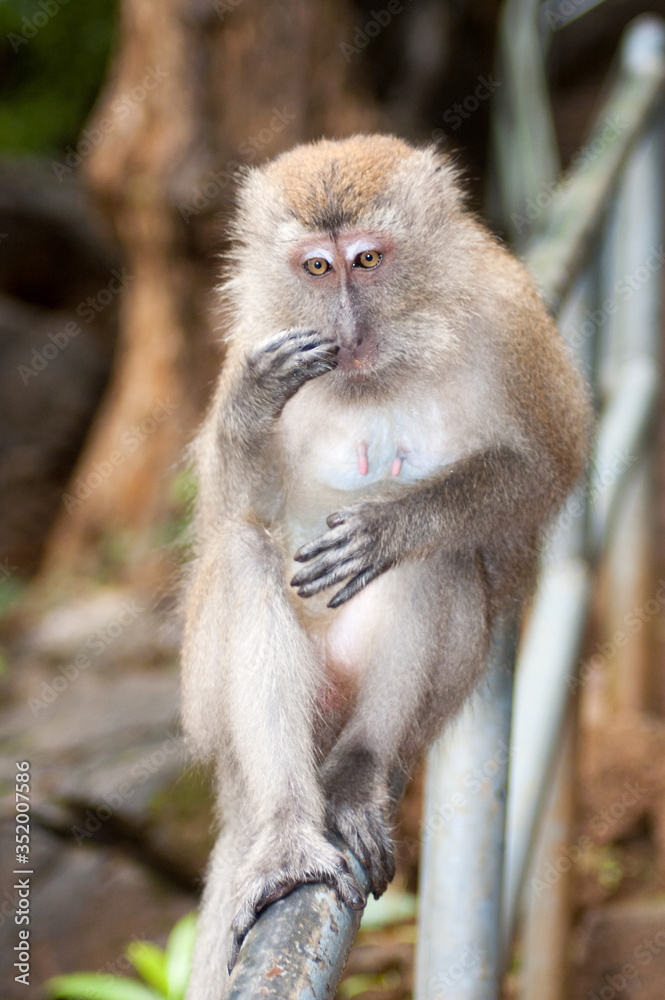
x=395 y=423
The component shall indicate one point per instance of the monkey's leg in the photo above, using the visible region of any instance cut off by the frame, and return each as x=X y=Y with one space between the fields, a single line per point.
x=250 y=682
x=422 y=628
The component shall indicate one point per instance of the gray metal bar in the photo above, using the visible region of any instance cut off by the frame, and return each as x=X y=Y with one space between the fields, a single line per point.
x=523 y=139
x=633 y=262
x=621 y=437
x=548 y=658
x=547 y=907
x=299 y=945
x=551 y=645
x=577 y=209
x=463 y=830
x=544 y=919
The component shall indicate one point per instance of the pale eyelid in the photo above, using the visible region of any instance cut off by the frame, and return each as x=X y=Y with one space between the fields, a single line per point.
x=358 y=246
x=312 y=254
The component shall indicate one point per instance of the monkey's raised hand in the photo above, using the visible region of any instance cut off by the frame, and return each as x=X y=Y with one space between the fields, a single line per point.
x=281 y=365
x=360 y=543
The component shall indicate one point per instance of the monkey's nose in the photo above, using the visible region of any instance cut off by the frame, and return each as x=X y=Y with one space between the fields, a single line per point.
x=350 y=340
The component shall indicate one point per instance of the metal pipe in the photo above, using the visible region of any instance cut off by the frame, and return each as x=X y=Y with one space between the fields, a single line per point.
x=462 y=843
x=621 y=437
x=547 y=661
x=553 y=638
x=566 y=542
x=524 y=145
x=581 y=198
x=547 y=901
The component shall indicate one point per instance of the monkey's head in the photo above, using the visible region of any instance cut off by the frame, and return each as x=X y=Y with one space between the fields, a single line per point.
x=364 y=240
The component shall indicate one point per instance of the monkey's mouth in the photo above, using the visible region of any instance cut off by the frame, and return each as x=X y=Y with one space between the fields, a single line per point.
x=357 y=362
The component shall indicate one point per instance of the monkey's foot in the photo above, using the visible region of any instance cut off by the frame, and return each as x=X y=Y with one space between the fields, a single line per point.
x=365 y=831
x=319 y=861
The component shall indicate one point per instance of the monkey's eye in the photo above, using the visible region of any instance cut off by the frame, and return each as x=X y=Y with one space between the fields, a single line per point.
x=368 y=258
x=317 y=265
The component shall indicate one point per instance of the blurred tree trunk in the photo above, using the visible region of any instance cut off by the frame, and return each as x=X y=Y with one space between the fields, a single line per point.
x=197 y=88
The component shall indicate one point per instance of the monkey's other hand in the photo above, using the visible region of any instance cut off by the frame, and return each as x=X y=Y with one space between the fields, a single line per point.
x=284 y=363
x=360 y=544
x=310 y=859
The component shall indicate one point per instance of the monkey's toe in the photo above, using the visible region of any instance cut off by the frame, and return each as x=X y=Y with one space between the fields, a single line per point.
x=367 y=834
x=243 y=922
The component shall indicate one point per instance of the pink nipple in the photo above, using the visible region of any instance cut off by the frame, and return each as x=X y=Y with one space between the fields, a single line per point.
x=363 y=464
x=396 y=467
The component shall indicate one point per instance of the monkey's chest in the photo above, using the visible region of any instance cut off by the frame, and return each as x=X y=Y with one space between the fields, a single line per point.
x=355 y=450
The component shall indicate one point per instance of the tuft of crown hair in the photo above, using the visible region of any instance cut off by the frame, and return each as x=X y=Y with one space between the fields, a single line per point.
x=329 y=184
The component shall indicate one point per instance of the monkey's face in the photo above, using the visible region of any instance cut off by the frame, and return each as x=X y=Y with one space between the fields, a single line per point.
x=344 y=278
x=362 y=240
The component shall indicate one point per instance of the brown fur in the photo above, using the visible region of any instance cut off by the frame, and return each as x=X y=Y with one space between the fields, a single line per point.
x=329 y=185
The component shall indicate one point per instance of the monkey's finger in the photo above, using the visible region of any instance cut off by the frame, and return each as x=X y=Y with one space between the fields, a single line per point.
x=338 y=572
x=313 y=355
x=328 y=540
x=309 y=353
x=289 y=352
x=294 y=365
x=288 y=337
x=353 y=587
x=346 y=551
x=320 y=367
x=318 y=342
x=300 y=343
x=355 y=517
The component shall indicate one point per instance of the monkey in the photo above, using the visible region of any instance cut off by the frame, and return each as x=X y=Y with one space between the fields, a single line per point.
x=395 y=423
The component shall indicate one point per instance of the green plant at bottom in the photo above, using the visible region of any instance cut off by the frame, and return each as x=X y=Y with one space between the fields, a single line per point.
x=165 y=972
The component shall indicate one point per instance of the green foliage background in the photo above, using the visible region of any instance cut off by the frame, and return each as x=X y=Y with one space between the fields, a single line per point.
x=50 y=81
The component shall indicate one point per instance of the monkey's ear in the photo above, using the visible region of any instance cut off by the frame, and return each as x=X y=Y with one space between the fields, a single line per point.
x=446 y=164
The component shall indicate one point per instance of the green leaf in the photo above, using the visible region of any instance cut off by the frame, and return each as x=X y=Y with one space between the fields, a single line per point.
x=179 y=950
x=95 y=986
x=150 y=963
x=391 y=908
x=383 y=982
x=360 y=983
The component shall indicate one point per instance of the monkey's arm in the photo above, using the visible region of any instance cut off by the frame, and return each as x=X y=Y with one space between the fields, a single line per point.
x=234 y=463
x=494 y=494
